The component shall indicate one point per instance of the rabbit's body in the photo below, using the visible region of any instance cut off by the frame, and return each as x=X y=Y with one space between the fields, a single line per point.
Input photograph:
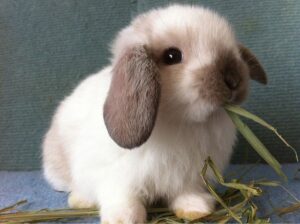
x=172 y=71
x=167 y=164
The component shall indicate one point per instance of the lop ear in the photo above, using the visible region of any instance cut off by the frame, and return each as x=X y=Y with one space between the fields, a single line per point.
x=256 y=70
x=131 y=105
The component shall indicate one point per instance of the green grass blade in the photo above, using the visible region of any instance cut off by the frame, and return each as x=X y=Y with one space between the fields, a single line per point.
x=267 y=183
x=256 y=144
x=12 y=207
x=253 y=190
x=242 y=112
x=215 y=194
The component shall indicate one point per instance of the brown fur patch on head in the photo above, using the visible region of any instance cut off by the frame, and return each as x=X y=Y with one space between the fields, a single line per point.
x=224 y=81
x=131 y=106
x=235 y=76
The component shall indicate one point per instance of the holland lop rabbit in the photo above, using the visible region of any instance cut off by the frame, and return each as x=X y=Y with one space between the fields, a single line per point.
x=172 y=71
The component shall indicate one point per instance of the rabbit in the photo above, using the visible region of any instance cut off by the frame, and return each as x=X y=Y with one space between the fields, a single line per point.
x=140 y=129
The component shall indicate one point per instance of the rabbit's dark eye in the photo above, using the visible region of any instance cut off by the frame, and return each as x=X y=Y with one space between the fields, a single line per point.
x=172 y=56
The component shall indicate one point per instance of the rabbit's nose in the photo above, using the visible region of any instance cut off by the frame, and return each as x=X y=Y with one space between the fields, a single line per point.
x=232 y=81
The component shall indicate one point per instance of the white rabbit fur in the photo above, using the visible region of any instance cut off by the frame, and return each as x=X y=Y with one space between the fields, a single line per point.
x=79 y=155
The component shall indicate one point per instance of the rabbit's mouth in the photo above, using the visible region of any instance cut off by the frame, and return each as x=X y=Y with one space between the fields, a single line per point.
x=237 y=97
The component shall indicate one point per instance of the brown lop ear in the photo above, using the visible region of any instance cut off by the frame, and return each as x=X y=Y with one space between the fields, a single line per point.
x=132 y=102
x=256 y=70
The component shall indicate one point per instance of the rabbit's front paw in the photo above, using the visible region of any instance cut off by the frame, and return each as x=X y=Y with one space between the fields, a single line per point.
x=124 y=213
x=193 y=206
x=76 y=201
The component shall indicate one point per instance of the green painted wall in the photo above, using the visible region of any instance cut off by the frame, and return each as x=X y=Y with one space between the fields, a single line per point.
x=47 y=46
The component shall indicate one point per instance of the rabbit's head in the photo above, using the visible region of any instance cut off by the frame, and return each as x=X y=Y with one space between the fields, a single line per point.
x=182 y=61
